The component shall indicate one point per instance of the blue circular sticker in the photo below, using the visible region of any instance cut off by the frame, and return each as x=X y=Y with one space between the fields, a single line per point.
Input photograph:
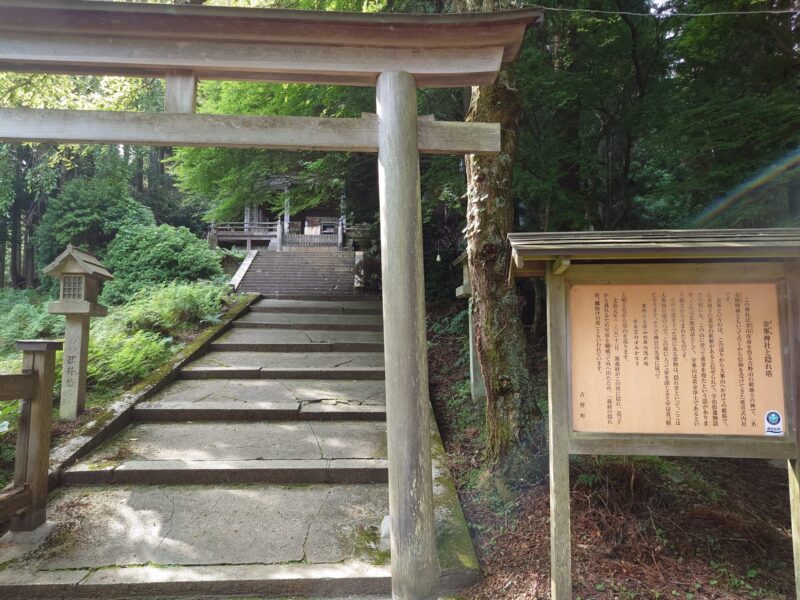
x=773 y=417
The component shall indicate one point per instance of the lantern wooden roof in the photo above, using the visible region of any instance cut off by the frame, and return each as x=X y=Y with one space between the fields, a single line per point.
x=116 y=38
x=530 y=252
x=76 y=261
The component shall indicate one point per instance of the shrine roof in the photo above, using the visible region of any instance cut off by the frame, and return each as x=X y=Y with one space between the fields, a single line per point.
x=83 y=260
x=531 y=251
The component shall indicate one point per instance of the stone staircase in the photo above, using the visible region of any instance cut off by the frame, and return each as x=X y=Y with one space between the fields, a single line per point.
x=261 y=471
x=313 y=273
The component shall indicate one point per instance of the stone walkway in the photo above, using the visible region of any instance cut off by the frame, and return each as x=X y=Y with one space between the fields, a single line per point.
x=261 y=471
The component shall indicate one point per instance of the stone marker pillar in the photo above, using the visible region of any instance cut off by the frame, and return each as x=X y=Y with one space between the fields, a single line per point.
x=80 y=275
x=73 y=373
x=415 y=567
x=476 y=382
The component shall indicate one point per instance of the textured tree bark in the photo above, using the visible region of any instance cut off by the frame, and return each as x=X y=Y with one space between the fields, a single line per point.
x=511 y=404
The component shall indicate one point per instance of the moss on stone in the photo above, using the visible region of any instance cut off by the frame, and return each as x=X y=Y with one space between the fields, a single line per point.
x=366 y=546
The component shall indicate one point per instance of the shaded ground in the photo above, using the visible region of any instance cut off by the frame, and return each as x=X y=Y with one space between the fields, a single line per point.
x=641 y=527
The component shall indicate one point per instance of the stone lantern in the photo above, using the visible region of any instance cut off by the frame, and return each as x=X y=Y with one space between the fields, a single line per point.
x=80 y=275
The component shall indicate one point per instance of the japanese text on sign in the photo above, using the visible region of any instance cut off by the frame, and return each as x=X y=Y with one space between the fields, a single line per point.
x=676 y=359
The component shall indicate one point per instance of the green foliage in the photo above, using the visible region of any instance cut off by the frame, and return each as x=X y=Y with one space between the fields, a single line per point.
x=143 y=256
x=23 y=315
x=121 y=358
x=174 y=307
x=90 y=211
x=138 y=337
x=234 y=178
x=636 y=122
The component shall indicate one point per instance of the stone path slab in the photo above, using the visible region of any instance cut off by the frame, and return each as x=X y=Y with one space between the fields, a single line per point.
x=285 y=391
x=264 y=441
x=318 y=322
x=243 y=335
x=195 y=525
x=218 y=472
x=352 y=307
x=297 y=360
x=315 y=582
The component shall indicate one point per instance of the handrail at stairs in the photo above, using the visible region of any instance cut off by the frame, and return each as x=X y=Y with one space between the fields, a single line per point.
x=236 y=280
x=24 y=503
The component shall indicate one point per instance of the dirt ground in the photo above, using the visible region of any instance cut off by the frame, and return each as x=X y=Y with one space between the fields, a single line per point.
x=642 y=527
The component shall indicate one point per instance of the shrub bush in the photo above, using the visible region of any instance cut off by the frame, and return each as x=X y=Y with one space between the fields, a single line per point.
x=89 y=213
x=143 y=256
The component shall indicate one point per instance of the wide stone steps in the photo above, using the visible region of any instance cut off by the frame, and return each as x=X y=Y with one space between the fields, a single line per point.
x=260 y=472
x=343 y=307
x=301 y=272
x=172 y=540
x=279 y=340
x=265 y=399
x=247 y=452
x=314 y=322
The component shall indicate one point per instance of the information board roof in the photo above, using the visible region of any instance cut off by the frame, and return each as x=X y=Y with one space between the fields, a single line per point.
x=531 y=251
x=135 y=39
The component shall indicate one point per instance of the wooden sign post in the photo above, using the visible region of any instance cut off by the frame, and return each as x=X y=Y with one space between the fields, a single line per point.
x=677 y=343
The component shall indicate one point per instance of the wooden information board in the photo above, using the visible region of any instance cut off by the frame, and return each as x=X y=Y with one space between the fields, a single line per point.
x=667 y=343
x=701 y=359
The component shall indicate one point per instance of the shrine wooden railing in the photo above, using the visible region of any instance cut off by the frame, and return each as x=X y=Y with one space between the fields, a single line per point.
x=24 y=502
x=254 y=228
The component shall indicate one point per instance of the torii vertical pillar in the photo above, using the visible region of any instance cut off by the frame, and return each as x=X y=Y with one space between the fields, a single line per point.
x=415 y=567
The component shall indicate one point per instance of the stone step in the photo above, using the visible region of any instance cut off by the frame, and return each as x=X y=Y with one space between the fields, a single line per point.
x=359 y=374
x=282 y=340
x=264 y=399
x=311 y=322
x=166 y=541
x=289 y=360
x=238 y=452
x=355 y=297
x=346 y=307
x=209 y=472
x=226 y=582
x=232 y=410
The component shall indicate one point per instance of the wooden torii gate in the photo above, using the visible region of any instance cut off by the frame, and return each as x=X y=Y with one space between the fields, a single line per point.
x=395 y=53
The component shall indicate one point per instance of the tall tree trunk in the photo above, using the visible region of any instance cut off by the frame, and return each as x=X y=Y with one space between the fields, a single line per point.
x=15 y=273
x=3 y=246
x=501 y=344
x=29 y=260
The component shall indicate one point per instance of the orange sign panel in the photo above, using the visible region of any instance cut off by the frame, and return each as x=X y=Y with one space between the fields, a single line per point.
x=677 y=359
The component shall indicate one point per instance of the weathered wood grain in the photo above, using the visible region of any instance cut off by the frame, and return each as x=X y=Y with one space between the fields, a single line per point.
x=33 y=438
x=558 y=402
x=13 y=502
x=310 y=63
x=181 y=92
x=17 y=386
x=54 y=18
x=414 y=560
x=289 y=133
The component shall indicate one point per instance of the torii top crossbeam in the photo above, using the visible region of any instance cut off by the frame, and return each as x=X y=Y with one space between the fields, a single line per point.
x=115 y=38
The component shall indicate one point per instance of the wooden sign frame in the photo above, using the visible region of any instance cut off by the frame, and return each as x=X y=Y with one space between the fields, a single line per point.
x=560 y=275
